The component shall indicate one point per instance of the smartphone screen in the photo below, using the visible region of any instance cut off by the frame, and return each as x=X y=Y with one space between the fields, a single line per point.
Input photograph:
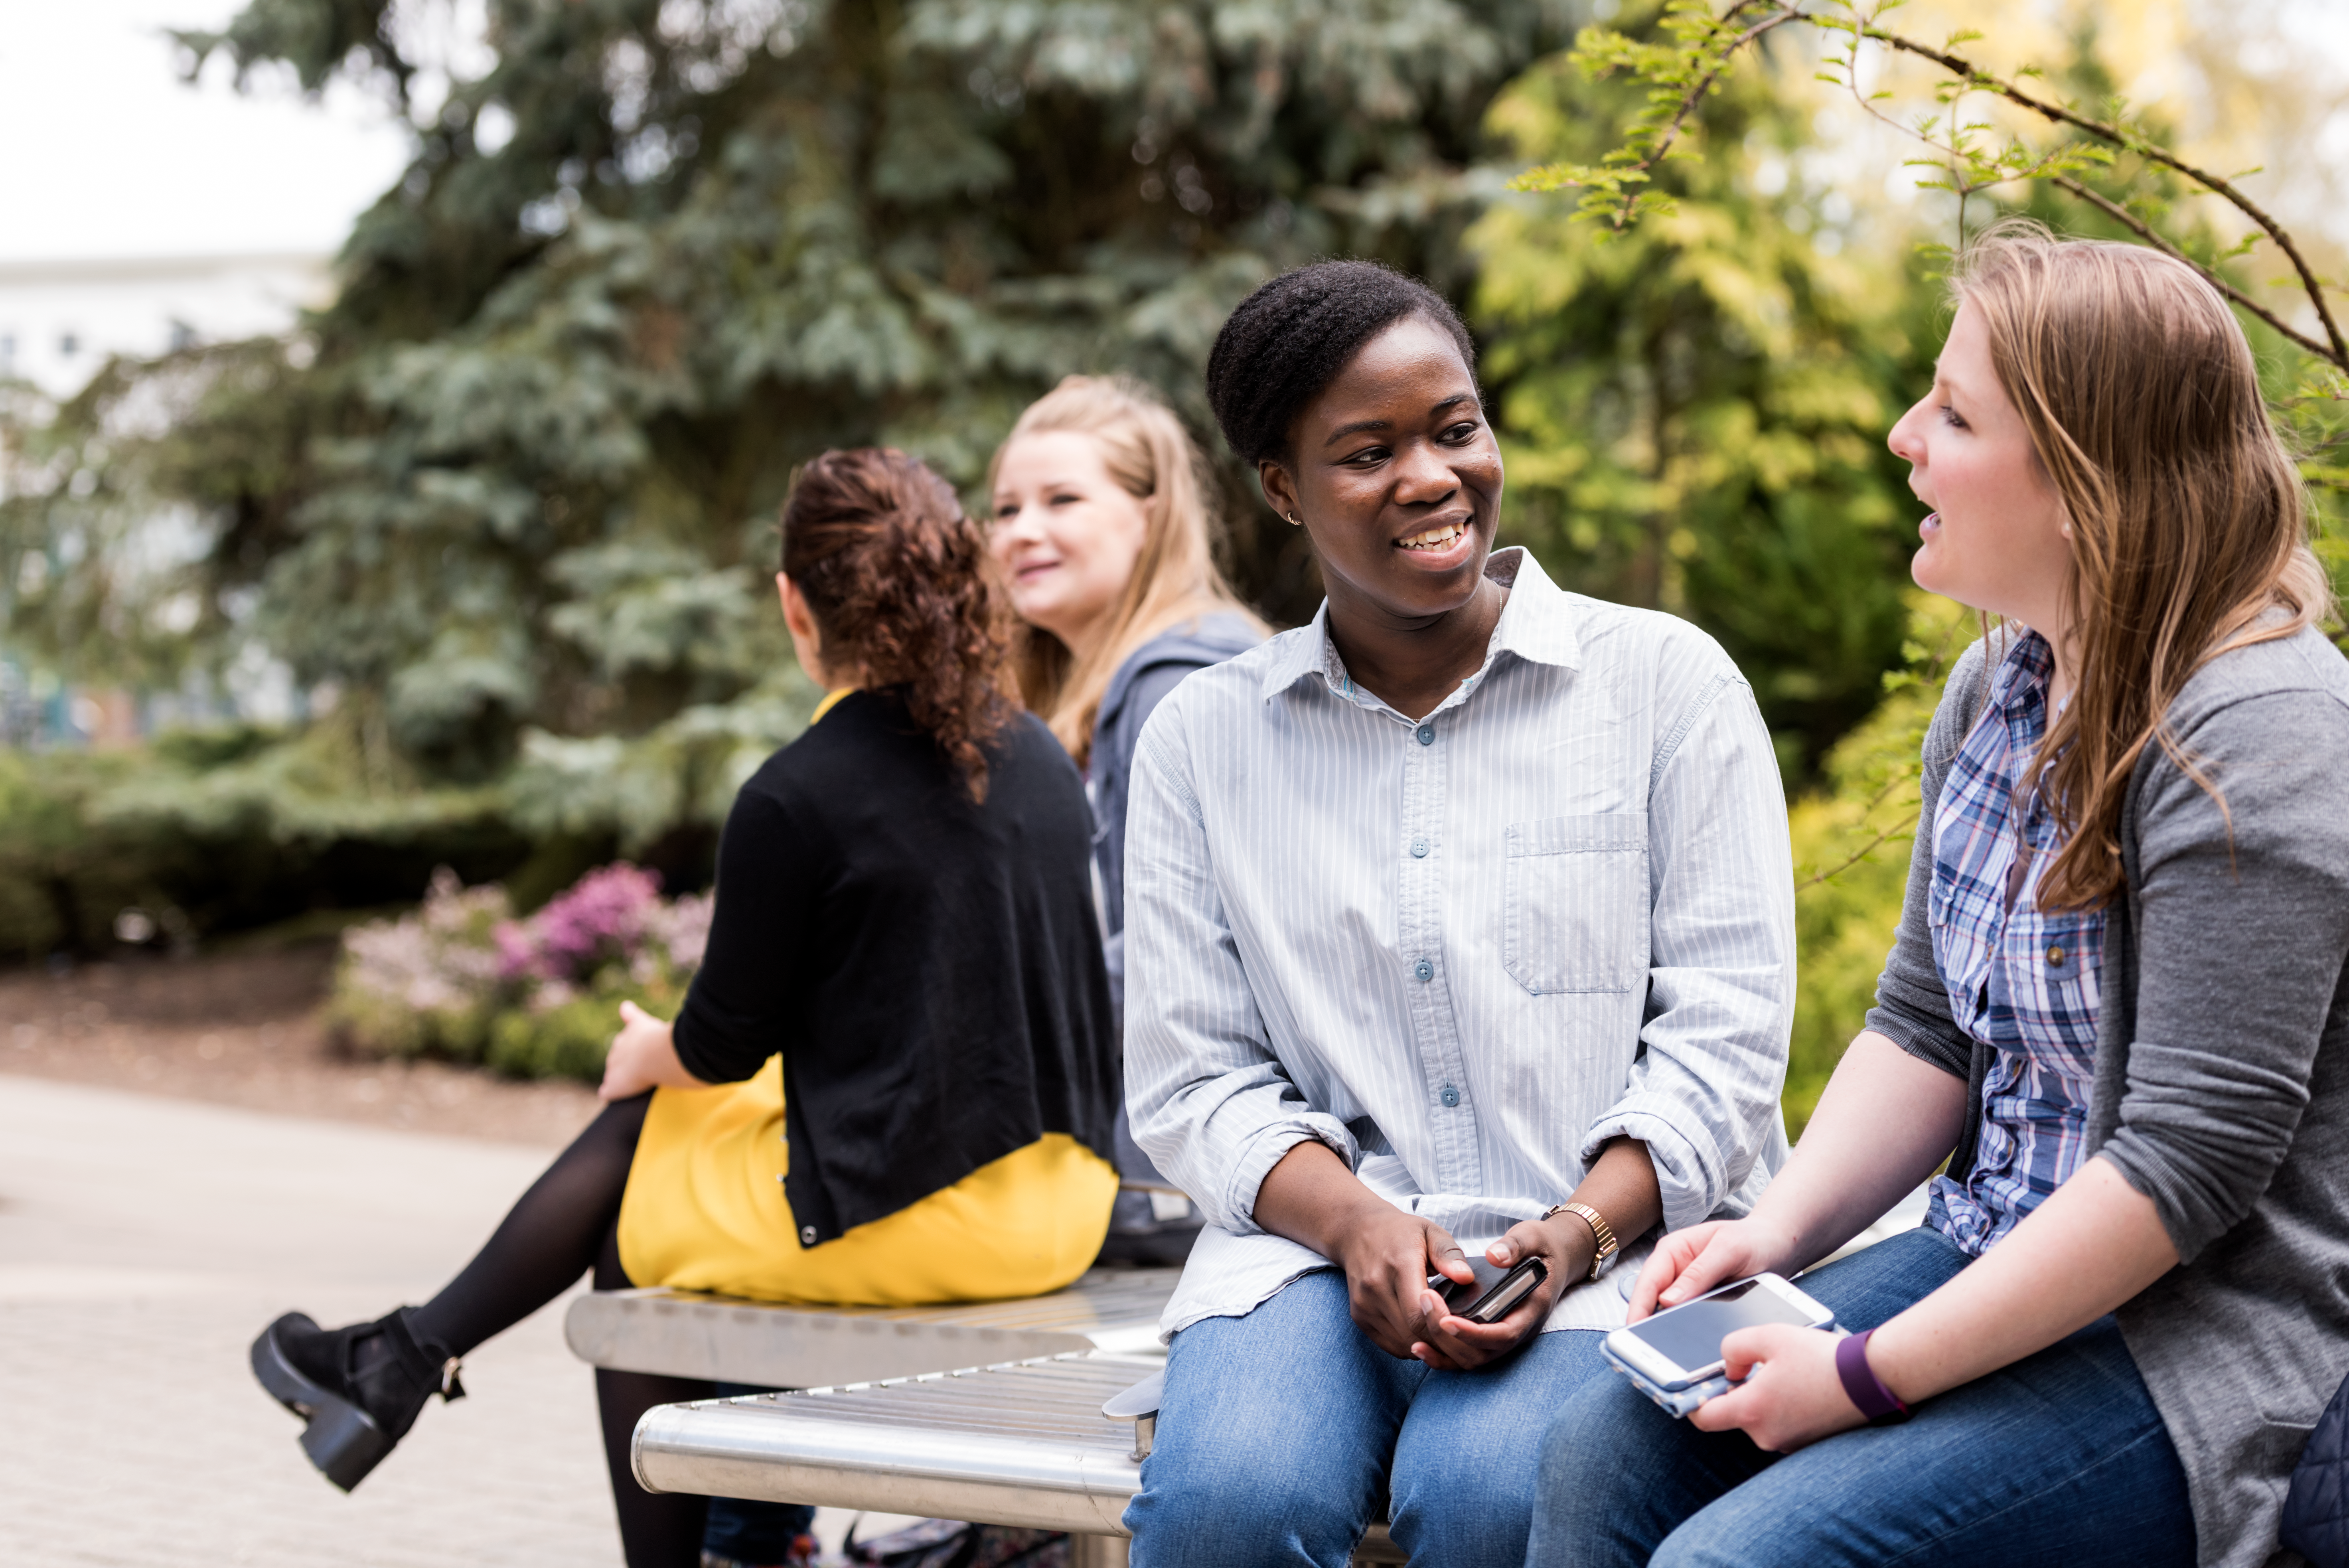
x=1690 y=1336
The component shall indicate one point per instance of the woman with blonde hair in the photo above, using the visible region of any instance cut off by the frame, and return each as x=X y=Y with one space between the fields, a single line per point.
x=1102 y=529
x=2117 y=1007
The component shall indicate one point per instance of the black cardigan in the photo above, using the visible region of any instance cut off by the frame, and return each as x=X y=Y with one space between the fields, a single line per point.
x=929 y=968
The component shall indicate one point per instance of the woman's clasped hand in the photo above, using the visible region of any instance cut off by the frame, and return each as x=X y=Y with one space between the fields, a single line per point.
x=643 y=1055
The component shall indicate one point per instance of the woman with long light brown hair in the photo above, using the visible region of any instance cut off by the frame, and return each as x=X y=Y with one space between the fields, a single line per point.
x=1103 y=532
x=2117 y=1007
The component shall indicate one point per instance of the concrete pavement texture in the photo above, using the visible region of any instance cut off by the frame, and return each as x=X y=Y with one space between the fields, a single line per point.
x=144 y=1242
x=243 y=1029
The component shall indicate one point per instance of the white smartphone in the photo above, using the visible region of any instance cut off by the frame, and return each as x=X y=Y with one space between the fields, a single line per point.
x=1682 y=1347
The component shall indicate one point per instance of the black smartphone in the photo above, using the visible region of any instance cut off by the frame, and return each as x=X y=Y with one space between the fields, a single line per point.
x=1494 y=1293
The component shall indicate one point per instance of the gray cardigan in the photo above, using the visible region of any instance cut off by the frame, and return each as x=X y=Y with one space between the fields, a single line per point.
x=2221 y=1088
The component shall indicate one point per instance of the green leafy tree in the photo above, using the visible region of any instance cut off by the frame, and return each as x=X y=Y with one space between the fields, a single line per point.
x=2098 y=167
x=1694 y=413
x=1993 y=142
x=512 y=494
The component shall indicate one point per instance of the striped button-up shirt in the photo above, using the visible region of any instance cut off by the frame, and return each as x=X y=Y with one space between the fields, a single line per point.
x=2022 y=980
x=1463 y=951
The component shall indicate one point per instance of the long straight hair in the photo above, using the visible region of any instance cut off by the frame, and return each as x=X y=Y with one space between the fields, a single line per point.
x=2189 y=533
x=1152 y=457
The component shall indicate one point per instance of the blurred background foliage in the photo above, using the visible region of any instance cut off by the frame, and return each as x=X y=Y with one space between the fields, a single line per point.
x=1696 y=411
x=502 y=514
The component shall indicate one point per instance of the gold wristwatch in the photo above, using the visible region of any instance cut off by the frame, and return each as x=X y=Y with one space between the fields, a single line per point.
x=1600 y=1230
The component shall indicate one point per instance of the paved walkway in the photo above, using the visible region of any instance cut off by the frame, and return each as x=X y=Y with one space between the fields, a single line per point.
x=144 y=1242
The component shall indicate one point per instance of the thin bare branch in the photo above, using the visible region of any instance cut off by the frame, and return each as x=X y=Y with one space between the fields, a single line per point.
x=1870 y=848
x=2145 y=231
x=1957 y=64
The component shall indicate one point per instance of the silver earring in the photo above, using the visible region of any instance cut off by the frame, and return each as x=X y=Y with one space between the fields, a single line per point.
x=1295 y=522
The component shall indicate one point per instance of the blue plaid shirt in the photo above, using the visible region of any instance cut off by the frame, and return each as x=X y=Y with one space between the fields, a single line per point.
x=2020 y=979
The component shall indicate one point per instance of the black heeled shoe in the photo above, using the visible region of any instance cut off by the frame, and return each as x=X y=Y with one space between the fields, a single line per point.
x=357 y=1389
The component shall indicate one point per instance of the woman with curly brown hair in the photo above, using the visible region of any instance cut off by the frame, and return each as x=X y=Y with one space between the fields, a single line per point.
x=894 y=1079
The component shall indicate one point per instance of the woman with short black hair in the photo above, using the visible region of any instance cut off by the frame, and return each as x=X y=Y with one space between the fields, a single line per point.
x=1464 y=912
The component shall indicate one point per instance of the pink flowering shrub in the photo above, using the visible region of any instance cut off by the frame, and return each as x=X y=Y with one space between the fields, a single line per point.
x=462 y=978
x=426 y=981
x=602 y=919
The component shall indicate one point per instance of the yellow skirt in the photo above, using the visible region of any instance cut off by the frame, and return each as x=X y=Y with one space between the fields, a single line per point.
x=705 y=1210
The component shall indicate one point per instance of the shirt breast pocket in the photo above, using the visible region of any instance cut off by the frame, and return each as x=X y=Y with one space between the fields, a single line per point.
x=1574 y=902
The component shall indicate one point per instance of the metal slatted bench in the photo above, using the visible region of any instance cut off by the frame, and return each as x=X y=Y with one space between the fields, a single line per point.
x=1022 y=1443
x=1018 y=1436
x=682 y=1334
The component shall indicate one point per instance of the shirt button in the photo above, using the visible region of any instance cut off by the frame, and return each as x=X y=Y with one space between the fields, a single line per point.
x=2055 y=957
x=1450 y=1097
x=1427 y=734
x=807 y=1235
x=1424 y=970
x=1419 y=848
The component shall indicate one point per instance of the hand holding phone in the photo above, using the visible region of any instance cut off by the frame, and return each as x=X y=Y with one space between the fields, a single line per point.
x=1674 y=1357
x=1494 y=1293
x=1475 y=1322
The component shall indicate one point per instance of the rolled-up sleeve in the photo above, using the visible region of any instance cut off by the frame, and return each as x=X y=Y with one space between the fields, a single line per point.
x=1704 y=1095
x=2242 y=929
x=1208 y=1101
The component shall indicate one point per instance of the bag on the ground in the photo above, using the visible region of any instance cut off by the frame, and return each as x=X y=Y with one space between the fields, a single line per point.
x=950 y=1544
x=2316 y=1509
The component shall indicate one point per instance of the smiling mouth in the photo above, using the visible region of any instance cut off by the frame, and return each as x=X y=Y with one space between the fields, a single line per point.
x=1440 y=537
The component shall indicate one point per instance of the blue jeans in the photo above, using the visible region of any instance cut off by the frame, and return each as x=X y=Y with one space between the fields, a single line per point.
x=2058 y=1461
x=1278 y=1431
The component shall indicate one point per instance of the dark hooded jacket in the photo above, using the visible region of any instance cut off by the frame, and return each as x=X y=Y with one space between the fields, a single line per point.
x=1150 y=672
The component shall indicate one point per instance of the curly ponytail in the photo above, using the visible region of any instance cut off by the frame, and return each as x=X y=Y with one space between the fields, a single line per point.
x=896 y=578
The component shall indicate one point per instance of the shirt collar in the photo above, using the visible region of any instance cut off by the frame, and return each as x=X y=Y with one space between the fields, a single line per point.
x=2024 y=672
x=1536 y=624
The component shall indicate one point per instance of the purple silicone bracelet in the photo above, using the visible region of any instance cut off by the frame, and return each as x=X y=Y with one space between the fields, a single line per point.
x=1881 y=1405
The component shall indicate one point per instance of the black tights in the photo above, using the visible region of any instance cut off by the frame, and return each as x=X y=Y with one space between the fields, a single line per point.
x=564 y=1227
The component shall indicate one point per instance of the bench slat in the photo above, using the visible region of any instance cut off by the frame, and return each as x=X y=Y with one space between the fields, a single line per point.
x=677 y=1334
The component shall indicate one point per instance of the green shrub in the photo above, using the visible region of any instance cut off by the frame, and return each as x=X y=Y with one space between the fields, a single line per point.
x=1851 y=843
x=564 y=1042
x=216 y=830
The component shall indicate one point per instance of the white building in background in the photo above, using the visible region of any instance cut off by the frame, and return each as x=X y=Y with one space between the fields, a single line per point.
x=60 y=321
